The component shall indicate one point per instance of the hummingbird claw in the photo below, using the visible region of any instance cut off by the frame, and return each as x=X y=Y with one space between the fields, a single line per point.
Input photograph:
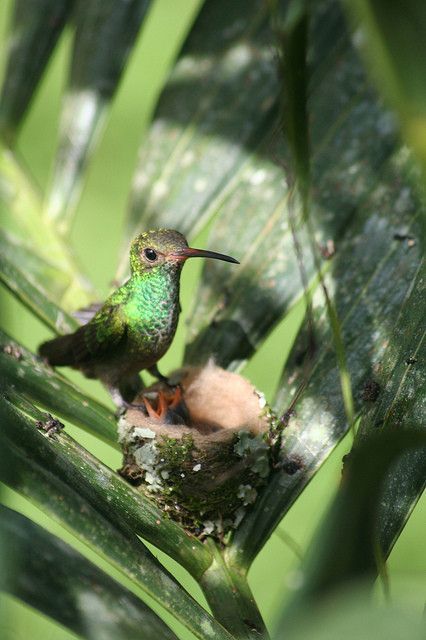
x=125 y=406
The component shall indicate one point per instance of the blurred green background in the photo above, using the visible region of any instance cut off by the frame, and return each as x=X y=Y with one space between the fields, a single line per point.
x=96 y=240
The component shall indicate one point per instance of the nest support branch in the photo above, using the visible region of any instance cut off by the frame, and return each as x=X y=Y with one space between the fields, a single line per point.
x=230 y=599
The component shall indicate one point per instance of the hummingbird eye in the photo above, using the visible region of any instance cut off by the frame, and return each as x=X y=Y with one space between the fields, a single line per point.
x=150 y=254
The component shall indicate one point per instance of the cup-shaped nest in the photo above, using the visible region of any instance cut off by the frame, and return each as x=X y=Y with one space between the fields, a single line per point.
x=200 y=450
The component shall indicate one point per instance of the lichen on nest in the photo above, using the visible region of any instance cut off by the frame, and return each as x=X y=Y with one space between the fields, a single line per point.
x=204 y=460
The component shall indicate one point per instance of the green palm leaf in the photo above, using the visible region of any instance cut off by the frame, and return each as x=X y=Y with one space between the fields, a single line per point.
x=105 y=32
x=102 y=510
x=30 y=375
x=33 y=239
x=345 y=546
x=394 y=44
x=64 y=585
x=97 y=484
x=215 y=159
x=35 y=28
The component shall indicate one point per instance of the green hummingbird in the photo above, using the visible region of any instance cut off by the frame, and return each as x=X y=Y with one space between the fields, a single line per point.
x=135 y=326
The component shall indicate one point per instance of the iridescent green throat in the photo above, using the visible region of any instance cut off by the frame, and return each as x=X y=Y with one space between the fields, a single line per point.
x=154 y=297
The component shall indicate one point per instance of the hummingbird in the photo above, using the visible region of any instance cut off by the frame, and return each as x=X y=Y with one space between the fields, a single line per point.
x=135 y=326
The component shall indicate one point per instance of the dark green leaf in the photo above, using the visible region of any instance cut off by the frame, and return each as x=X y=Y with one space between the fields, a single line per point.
x=23 y=256
x=371 y=279
x=292 y=31
x=99 y=508
x=211 y=115
x=28 y=277
x=344 y=548
x=34 y=243
x=62 y=584
x=236 y=310
x=46 y=388
x=105 y=32
x=104 y=489
x=292 y=37
x=393 y=39
x=400 y=380
x=352 y=615
x=35 y=28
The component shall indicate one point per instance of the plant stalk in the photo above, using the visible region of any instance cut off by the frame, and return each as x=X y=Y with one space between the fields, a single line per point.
x=230 y=598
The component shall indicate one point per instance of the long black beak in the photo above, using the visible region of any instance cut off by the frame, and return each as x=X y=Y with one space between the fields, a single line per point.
x=202 y=253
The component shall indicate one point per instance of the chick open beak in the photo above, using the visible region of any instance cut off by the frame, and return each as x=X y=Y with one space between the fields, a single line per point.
x=190 y=252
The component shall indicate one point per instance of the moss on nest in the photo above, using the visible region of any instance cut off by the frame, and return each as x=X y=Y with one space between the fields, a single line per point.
x=206 y=470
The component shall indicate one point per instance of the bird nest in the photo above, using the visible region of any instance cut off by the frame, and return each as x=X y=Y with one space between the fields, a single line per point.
x=201 y=453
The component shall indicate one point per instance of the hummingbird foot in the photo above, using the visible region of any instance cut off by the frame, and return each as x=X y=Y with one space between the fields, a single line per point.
x=154 y=371
x=121 y=405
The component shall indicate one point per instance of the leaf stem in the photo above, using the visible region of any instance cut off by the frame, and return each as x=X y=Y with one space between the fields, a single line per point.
x=229 y=596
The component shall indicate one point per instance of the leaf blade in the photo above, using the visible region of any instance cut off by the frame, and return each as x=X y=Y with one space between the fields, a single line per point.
x=247 y=184
x=34 y=31
x=393 y=45
x=21 y=211
x=62 y=584
x=59 y=484
x=402 y=382
x=176 y=164
x=344 y=548
x=30 y=287
x=105 y=32
x=372 y=278
x=234 y=314
x=70 y=463
x=47 y=388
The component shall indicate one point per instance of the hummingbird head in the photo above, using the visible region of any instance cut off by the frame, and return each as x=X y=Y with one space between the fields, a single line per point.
x=166 y=247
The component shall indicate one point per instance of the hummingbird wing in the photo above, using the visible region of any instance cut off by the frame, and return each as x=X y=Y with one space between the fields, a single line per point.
x=93 y=341
x=85 y=314
x=102 y=335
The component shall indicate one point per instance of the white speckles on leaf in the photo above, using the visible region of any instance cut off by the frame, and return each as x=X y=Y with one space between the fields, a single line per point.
x=188 y=158
x=239 y=57
x=159 y=190
x=200 y=185
x=207 y=627
x=258 y=177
